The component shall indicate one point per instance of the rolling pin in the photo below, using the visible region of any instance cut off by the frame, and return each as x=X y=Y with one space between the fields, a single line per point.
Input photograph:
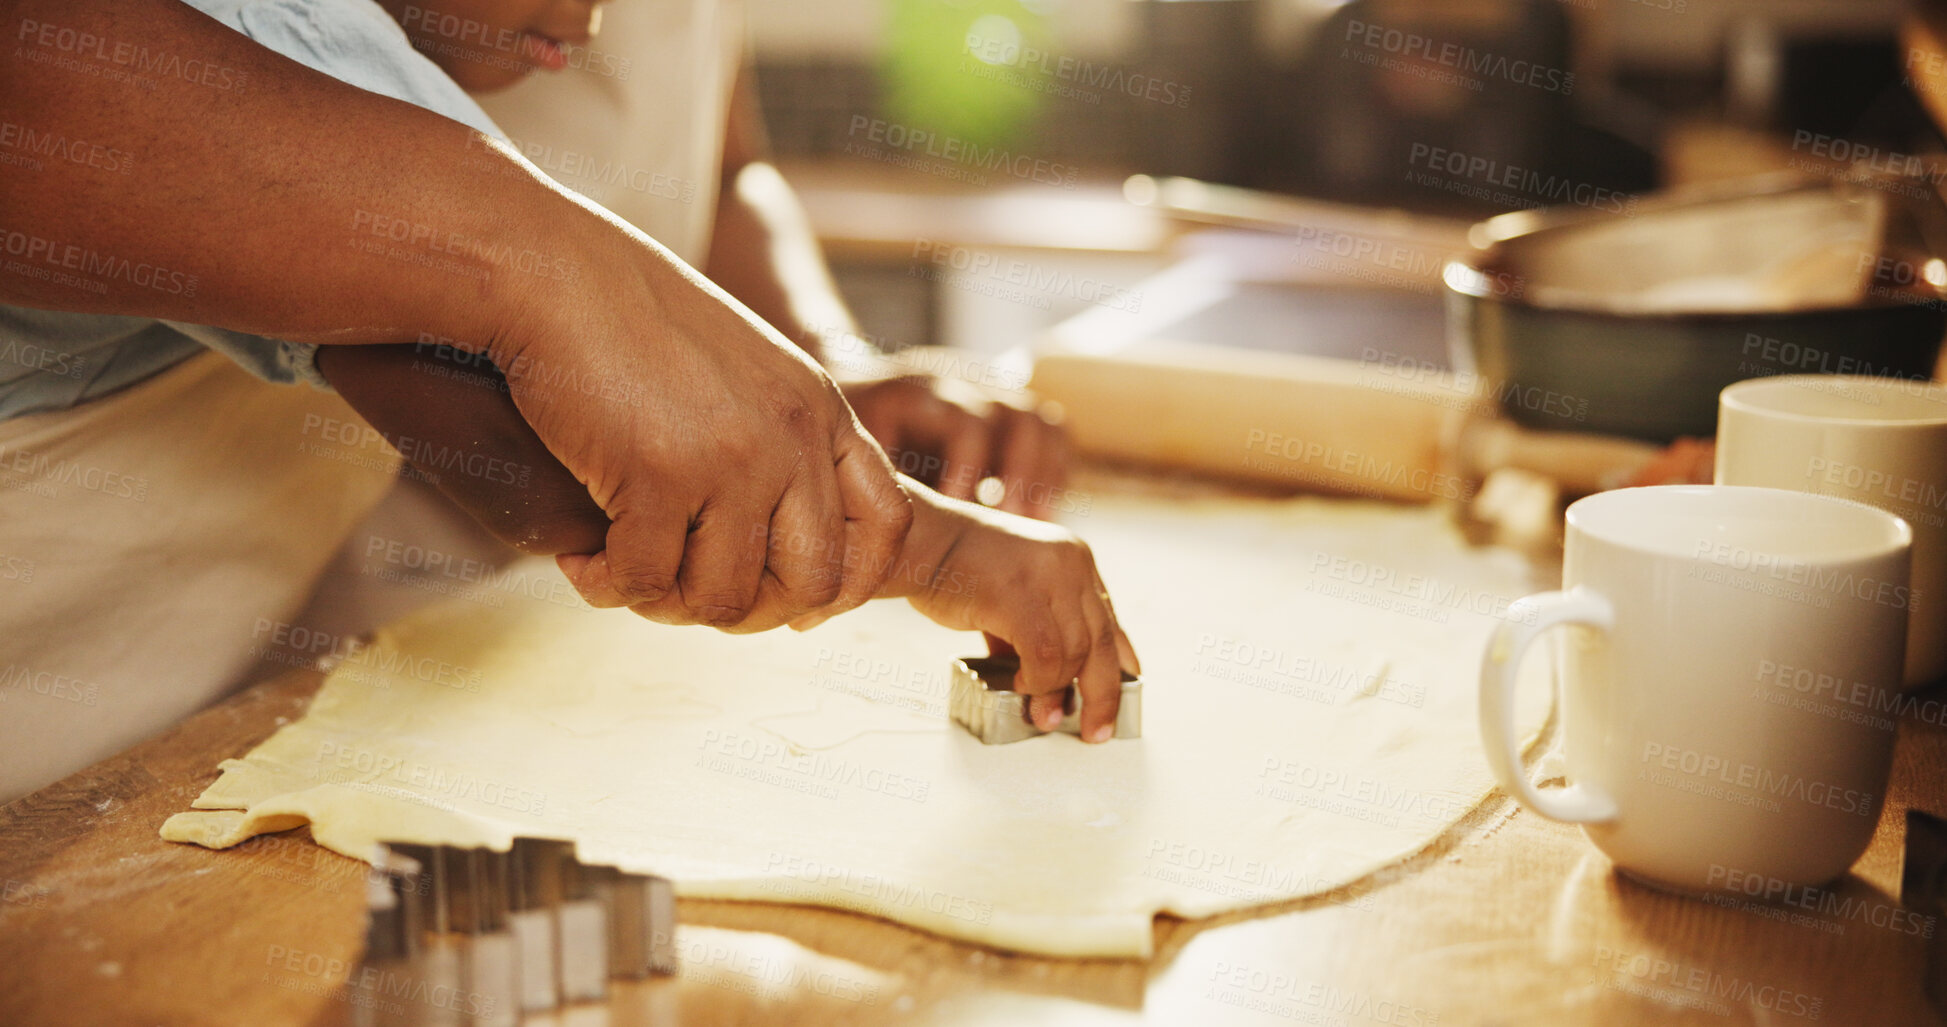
x=1310 y=423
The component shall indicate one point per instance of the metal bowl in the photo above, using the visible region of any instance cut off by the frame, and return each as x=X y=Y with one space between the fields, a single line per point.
x=1630 y=323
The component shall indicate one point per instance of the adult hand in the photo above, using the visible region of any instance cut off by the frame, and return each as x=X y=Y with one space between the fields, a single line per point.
x=743 y=493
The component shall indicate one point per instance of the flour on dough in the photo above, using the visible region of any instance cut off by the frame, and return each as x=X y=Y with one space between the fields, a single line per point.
x=1308 y=717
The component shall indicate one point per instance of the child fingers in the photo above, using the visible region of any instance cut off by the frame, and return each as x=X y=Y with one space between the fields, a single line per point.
x=1101 y=677
x=1047 y=709
x=1125 y=650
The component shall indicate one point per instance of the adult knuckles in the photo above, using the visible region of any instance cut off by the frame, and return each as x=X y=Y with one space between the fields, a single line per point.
x=820 y=588
x=643 y=585
x=816 y=588
x=721 y=609
x=639 y=581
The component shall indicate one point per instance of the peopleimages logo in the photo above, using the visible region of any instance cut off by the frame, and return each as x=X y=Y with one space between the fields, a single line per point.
x=1679 y=983
x=478 y=249
x=963 y=152
x=1713 y=769
x=1523 y=183
x=98 y=267
x=524 y=45
x=55 y=146
x=1858 y=155
x=104 y=52
x=997 y=53
x=1459 y=57
x=1824 y=902
x=992 y=274
x=1820 y=581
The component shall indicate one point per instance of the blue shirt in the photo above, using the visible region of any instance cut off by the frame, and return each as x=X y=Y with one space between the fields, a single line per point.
x=52 y=360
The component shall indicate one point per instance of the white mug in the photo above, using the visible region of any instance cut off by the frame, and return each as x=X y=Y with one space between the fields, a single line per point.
x=1881 y=441
x=1726 y=681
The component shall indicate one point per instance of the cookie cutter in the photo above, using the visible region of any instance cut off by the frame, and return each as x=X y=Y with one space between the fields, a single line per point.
x=983 y=701
x=528 y=930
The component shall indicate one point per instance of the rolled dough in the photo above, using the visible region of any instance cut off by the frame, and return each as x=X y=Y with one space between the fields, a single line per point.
x=1309 y=717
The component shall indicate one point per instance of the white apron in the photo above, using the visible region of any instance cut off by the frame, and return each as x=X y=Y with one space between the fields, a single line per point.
x=155 y=545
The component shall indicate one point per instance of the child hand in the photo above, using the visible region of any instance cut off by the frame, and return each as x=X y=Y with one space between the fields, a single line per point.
x=1031 y=585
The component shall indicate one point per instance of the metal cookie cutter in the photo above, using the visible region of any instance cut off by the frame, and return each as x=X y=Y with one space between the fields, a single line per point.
x=469 y=937
x=983 y=701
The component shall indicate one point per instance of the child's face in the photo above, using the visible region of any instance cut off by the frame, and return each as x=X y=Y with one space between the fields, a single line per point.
x=491 y=44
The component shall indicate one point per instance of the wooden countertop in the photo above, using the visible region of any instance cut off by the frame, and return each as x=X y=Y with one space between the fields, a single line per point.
x=1507 y=920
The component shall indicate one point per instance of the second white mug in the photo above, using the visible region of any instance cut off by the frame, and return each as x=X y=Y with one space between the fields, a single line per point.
x=1881 y=441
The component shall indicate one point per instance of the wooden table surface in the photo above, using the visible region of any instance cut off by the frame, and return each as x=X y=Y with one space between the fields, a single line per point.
x=1506 y=920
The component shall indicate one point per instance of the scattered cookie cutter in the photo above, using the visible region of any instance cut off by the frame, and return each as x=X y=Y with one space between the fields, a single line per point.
x=528 y=930
x=983 y=701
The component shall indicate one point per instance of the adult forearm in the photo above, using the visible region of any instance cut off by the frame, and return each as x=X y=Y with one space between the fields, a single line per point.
x=239 y=188
x=291 y=205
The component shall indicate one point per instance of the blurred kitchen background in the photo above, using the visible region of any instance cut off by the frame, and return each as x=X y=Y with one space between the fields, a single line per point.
x=935 y=140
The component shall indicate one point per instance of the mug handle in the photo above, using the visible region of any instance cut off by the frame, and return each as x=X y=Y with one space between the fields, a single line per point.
x=1527 y=618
